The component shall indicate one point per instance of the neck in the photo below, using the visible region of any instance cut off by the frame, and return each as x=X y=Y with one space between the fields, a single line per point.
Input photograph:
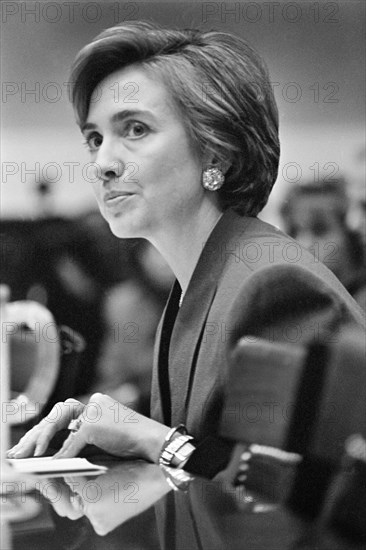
x=181 y=245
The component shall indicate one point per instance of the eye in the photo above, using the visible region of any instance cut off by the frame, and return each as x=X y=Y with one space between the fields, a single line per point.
x=135 y=129
x=93 y=141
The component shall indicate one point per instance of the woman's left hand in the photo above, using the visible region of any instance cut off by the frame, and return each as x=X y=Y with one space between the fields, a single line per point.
x=117 y=429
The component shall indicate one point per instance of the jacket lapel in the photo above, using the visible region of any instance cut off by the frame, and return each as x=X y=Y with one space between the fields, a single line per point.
x=156 y=410
x=184 y=344
x=160 y=391
x=175 y=361
x=190 y=322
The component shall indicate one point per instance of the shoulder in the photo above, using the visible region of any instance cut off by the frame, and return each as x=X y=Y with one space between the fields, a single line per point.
x=280 y=299
x=264 y=270
x=253 y=243
x=257 y=246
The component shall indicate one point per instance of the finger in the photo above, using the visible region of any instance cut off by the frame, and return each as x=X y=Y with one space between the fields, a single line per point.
x=26 y=449
x=61 y=413
x=43 y=441
x=26 y=444
x=26 y=437
x=34 y=442
x=77 y=505
x=62 y=502
x=76 y=484
x=11 y=452
x=72 y=509
x=37 y=439
x=72 y=446
x=65 y=412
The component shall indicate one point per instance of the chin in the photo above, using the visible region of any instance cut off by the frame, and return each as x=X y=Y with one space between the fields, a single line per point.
x=123 y=230
x=120 y=232
x=126 y=225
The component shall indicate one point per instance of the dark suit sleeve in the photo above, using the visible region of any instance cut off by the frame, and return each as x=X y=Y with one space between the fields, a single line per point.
x=210 y=457
x=286 y=303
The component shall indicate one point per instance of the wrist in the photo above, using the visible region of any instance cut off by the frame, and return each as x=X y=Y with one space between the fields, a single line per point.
x=155 y=441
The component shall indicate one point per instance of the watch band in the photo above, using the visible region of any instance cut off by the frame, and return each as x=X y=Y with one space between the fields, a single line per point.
x=182 y=455
x=171 y=448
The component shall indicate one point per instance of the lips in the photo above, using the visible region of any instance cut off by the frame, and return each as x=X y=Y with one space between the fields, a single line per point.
x=112 y=199
x=111 y=195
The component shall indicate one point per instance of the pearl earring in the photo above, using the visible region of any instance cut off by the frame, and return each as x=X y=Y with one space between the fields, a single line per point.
x=212 y=179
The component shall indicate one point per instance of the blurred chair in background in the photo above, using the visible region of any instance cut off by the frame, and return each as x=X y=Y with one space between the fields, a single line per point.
x=65 y=265
x=50 y=261
x=67 y=276
x=109 y=291
x=34 y=358
x=43 y=361
x=315 y=214
x=299 y=413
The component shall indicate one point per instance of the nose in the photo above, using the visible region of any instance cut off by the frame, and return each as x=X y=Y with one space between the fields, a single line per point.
x=109 y=163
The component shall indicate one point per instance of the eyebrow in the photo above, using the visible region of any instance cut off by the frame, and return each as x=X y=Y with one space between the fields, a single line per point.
x=118 y=117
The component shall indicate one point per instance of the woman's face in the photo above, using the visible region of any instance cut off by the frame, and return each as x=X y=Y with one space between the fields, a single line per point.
x=149 y=176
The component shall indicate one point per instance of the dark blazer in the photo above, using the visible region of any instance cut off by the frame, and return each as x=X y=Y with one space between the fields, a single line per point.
x=251 y=280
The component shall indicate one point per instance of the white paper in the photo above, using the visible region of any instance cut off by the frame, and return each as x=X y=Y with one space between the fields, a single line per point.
x=55 y=466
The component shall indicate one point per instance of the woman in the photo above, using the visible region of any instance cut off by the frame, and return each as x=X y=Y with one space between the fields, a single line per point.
x=183 y=129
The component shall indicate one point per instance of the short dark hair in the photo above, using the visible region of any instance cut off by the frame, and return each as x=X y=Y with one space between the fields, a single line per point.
x=334 y=189
x=219 y=84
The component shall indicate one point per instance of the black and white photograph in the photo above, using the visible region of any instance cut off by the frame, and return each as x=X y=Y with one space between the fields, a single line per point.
x=183 y=275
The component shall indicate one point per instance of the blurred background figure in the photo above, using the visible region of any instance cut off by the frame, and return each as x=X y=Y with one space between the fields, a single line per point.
x=356 y=217
x=316 y=214
x=131 y=312
x=109 y=291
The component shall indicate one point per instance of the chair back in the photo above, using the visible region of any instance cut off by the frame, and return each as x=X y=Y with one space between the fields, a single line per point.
x=305 y=401
x=34 y=346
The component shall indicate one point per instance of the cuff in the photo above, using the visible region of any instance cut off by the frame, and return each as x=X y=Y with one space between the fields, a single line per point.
x=211 y=456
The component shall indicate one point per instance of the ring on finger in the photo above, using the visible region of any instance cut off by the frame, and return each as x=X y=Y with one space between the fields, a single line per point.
x=75 y=425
